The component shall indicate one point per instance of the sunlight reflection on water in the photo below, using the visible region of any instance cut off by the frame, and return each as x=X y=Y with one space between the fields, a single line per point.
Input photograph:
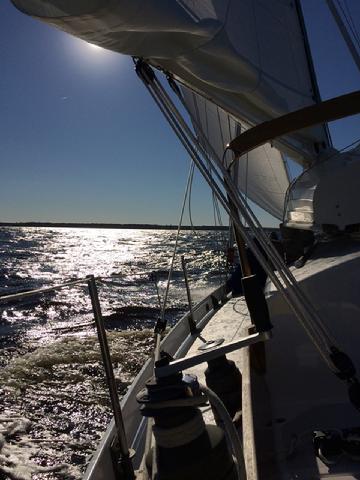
x=53 y=390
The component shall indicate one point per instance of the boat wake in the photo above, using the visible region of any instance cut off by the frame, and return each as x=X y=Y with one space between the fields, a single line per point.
x=56 y=404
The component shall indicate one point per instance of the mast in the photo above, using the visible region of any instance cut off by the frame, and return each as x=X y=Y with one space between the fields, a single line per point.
x=344 y=32
x=313 y=79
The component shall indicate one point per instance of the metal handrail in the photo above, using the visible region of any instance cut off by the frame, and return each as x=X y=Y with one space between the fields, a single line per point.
x=125 y=460
x=125 y=463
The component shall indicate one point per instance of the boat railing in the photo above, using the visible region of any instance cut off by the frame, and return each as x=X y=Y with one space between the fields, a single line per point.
x=91 y=282
x=36 y=291
x=4 y=298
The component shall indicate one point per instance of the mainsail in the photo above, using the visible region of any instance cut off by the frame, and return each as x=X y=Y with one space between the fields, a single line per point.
x=246 y=61
x=261 y=174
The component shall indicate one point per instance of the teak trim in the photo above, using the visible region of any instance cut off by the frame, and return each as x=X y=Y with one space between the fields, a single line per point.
x=333 y=109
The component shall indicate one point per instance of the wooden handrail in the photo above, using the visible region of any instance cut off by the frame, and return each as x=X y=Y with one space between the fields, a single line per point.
x=329 y=110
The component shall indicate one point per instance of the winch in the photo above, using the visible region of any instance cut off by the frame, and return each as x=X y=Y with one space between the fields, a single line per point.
x=186 y=448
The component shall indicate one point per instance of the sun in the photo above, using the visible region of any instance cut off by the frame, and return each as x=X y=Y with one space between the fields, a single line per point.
x=94 y=47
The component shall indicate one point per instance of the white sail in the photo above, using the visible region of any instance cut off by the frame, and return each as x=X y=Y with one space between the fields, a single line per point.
x=261 y=174
x=247 y=56
x=246 y=61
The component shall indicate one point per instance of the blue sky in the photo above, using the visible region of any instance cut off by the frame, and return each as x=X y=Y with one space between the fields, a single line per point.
x=80 y=139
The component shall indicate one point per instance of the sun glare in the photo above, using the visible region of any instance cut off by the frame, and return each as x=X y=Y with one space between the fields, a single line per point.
x=94 y=47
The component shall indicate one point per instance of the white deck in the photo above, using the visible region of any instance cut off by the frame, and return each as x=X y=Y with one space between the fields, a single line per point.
x=232 y=322
x=297 y=394
x=303 y=395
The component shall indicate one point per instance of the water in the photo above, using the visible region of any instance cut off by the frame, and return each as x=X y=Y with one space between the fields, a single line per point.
x=54 y=403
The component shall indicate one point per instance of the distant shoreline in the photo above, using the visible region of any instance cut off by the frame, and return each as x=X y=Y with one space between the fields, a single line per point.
x=119 y=226
x=135 y=226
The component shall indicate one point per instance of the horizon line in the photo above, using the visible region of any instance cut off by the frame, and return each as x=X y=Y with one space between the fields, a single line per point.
x=115 y=225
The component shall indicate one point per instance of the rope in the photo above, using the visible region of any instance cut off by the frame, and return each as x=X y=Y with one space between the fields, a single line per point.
x=301 y=306
x=230 y=429
x=166 y=294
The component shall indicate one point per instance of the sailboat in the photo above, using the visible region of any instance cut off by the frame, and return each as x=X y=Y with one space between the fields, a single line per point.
x=280 y=365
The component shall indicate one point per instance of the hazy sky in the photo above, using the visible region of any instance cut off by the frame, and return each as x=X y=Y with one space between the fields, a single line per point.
x=80 y=139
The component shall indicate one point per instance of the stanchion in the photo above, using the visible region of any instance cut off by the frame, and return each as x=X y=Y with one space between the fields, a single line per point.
x=125 y=463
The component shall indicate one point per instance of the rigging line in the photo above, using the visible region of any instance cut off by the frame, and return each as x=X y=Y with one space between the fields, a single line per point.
x=220 y=126
x=220 y=222
x=309 y=328
x=352 y=20
x=197 y=126
x=335 y=154
x=173 y=124
x=295 y=303
x=189 y=197
x=214 y=208
x=216 y=212
x=338 y=18
x=207 y=147
x=218 y=233
x=294 y=296
x=289 y=279
x=246 y=177
x=285 y=274
x=283 y=270
x=215 y=157
x=220 y=245
x=197 y=113
x=188 y=183
x=349 y=23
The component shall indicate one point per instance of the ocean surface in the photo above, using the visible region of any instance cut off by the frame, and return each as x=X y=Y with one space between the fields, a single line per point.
x=54 y=405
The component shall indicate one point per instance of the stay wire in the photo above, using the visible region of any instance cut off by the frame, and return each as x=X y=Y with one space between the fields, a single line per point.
x=183 y=132
x=350 y=23
x=166 y=294
x=284 y=272
x=335 y=154
x=189 y=198
x=295 y=304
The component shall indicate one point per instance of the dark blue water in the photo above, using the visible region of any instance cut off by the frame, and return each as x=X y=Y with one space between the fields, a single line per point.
x=53 y=396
